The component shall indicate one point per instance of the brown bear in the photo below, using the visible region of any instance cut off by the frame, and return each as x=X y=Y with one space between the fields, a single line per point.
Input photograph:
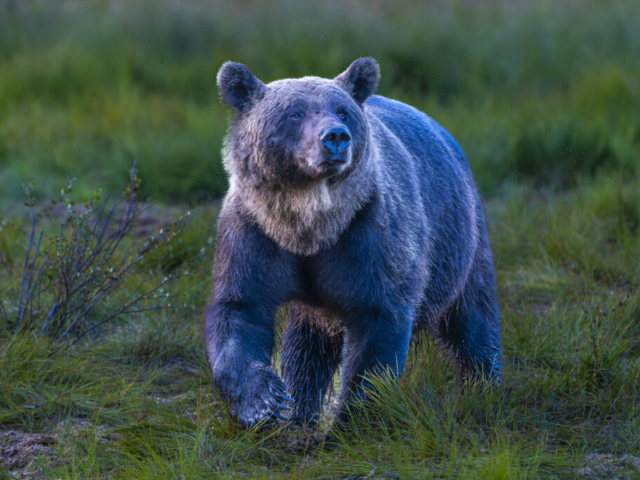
x=362 y=213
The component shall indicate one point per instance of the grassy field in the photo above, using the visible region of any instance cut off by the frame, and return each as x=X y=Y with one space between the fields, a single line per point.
x=543 y=97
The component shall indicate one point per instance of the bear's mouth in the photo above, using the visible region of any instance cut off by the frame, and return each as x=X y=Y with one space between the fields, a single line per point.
x=329 y=165
x=328 y=172
x=329 y=168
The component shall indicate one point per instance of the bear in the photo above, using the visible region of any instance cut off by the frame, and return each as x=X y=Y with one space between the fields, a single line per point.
x=361 y=214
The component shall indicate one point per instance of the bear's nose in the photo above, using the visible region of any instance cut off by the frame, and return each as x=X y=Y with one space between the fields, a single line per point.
x=336 y=139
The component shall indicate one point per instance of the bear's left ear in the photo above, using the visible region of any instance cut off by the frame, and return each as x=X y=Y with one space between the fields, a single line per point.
x=239 y=88
x=360 y=79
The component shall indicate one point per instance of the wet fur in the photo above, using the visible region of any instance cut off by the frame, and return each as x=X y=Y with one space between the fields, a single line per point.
x=393 y=246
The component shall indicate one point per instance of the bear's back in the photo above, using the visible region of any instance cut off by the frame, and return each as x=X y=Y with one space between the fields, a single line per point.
x=418 y=132
x=442 y=169
x=437 y=168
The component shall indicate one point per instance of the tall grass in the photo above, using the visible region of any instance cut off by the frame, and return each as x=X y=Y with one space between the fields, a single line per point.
x=543 y=97
x=535 y=91
x=137 y=402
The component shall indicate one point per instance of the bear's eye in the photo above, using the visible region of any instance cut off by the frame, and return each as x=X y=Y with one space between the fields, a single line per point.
x=296 y=115
x=342 y=116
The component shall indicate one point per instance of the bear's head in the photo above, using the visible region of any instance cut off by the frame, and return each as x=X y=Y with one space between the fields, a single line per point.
x=297 y=132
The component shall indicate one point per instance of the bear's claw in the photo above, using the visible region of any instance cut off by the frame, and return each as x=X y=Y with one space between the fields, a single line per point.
x=264 y=404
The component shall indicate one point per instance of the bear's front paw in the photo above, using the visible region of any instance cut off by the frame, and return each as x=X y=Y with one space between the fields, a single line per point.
x=263 y=400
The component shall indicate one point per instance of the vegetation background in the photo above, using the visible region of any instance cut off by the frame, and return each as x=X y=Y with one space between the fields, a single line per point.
x=543 y=97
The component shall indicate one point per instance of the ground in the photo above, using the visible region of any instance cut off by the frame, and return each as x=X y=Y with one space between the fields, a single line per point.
x=140 y=404
x=542 y=96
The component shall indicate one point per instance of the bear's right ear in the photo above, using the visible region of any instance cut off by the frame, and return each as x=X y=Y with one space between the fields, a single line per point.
x=239 y=88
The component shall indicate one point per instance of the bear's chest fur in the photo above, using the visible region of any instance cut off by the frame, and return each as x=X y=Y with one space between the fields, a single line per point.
x=358 y=273
x=305 y=220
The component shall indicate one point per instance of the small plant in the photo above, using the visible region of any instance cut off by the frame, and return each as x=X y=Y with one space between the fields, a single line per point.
x=604 y=348
x=69 y=281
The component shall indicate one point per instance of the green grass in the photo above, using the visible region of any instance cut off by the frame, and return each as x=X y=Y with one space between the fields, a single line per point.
x=137 y=401
x=536 y=92
x=543 y=97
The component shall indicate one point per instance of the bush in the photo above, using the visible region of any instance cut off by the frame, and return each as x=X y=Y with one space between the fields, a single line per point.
x=92 y=271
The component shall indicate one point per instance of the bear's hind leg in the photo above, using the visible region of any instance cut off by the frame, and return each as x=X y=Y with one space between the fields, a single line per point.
x=471 y=329
x=310 y=356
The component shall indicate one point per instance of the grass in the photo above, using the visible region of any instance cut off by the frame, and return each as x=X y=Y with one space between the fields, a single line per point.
x=86 y=88
x=542 y=96
x=137 y=401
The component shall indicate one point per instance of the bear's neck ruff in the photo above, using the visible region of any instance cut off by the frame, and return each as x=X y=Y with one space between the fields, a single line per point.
x=305 y=220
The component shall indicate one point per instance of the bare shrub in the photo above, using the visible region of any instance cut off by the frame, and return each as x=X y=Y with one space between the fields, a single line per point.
x=92 y=270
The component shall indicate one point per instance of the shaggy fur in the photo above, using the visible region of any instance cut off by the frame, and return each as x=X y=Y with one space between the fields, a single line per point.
x=372 y=243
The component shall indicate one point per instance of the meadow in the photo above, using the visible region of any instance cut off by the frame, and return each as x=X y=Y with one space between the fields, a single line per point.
x=542 y=96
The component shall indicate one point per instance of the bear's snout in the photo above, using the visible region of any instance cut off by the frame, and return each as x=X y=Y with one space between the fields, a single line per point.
x=335 y=152
x=336 y=139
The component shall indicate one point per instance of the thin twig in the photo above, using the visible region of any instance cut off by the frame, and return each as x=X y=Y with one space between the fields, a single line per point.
x=52 y=312
x=26 y=261
x=3 y=312
x=121 y=311
x=28 y=288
